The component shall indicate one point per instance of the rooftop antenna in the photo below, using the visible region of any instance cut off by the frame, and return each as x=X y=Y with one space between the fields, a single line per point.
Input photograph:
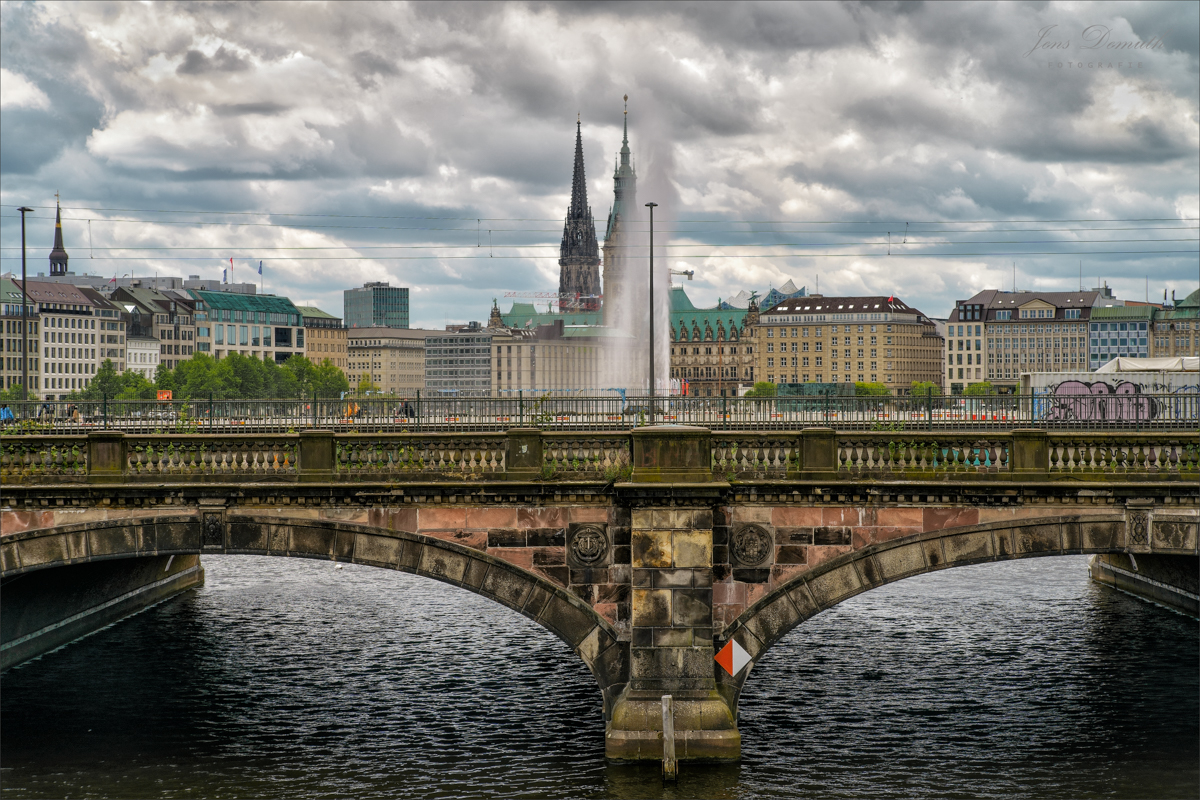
x=1081 y=275
x=1014 y=276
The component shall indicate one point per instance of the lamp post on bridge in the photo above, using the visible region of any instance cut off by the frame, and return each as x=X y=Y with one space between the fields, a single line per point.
x=651 y=206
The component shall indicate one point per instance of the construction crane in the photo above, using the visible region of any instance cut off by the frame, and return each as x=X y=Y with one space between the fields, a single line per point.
x=688 y=272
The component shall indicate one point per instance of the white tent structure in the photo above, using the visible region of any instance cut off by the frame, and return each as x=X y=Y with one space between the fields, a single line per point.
x=1178 y=364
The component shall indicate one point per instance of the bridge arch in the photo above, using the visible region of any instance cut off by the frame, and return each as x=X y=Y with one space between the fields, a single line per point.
x=588 y=634
x=804 y=596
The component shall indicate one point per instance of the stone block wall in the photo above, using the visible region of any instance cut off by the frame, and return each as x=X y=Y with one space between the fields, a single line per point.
x=759 y=547
x=671 y=600
x=583 y=548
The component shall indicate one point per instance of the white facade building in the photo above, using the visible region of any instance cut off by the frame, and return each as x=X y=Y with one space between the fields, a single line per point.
x=142 y=355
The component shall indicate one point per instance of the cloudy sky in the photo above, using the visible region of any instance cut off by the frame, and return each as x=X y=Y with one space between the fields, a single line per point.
x=348 y=142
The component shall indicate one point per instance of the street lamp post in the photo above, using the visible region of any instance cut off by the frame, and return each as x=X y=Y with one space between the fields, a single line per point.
x=651 y=206
x=24 y=319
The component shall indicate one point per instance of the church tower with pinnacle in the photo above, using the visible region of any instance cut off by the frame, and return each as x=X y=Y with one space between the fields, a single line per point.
x=58 y=256
x=617 y=238
x=579 y=258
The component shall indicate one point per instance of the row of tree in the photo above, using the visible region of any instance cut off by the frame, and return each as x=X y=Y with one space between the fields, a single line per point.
x=235 y=377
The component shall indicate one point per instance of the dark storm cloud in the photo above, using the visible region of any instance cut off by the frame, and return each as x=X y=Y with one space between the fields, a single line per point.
x=437 y=115
x=197 y=63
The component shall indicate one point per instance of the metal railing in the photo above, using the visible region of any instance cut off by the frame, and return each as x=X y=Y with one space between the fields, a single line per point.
x=1150 y=412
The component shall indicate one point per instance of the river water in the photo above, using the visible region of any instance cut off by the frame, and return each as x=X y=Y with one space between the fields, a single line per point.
x=286 y=678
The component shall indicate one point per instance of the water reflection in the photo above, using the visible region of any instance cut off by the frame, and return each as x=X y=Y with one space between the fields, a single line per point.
x=282 y=678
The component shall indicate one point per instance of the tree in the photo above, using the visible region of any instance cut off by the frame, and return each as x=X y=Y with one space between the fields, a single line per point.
x=365 y=384
x=12 y=394
x=134 y=386
x=328 y=380
x=164 y=377
x=199 y=377
x=926 y=388
x=105 y=383
x=862 y=389
x=303 y=372
x=763 y=389
x=979 y=389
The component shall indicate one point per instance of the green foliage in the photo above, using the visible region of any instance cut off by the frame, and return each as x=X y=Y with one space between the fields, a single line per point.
x=871 y=390
x=926 y=388
x=365 y=384
x=238 y=377
x=763 y=389
x=980 y=389
x=12 y=394
x=327 y=380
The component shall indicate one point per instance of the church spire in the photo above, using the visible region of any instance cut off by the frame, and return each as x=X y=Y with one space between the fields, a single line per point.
x=625 y=138
x=58 y=256
x=579 y=203
x=579 y=259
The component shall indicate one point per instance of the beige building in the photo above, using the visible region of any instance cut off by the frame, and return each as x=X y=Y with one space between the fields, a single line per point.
x=14 y=349
x=1177 y=329
x=555 y=358
x=69 y=337
x=166 y=316
x=819 y=339
x=392 y=358
x=712 y=349
x=325 y=337
x=995 y=336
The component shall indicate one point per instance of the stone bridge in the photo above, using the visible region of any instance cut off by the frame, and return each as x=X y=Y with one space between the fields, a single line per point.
x=645 y=551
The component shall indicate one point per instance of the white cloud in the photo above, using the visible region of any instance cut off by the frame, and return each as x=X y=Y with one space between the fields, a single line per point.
x=17 y=91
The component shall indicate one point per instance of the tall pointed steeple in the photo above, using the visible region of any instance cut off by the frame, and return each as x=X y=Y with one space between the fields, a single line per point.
x=579 y=256
x=620 y=220
x=58 y=256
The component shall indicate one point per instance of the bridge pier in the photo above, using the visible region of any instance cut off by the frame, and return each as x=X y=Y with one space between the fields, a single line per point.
x=671 y=604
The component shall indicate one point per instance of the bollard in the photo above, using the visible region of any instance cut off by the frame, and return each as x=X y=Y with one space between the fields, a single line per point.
x=670 y=765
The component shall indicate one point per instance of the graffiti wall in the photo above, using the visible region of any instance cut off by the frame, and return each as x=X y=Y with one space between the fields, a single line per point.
x=1116 y=397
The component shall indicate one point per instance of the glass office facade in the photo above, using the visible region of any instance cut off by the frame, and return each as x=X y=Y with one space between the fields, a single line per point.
x=376 y=305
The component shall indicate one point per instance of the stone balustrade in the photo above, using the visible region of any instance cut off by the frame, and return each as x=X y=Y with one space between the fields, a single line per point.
x=527 y=454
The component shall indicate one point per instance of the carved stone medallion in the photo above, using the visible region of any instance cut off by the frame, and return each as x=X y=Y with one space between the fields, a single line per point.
x=589 y=545
x=751 y=546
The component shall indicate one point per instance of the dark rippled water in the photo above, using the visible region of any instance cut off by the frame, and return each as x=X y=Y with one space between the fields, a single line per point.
x=285 y=678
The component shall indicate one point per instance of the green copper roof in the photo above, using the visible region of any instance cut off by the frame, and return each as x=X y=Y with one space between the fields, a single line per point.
x=313 y=311
x=1122 y=312
x=523 y=315
x=245 y=302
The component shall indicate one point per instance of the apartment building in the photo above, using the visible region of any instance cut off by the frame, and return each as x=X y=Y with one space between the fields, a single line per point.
x=259 y=326
x=69 y=331
x=712 y=349
x=111 y=325
x=877 y=339
x=21 y=339
x=167 y=315
x=391 y=358
x=325 y=337
x=142 y=355
x=995 y=336
x=1177 y=329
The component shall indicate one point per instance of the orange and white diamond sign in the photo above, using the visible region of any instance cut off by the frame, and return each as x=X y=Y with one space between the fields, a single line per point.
x=733 y=658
